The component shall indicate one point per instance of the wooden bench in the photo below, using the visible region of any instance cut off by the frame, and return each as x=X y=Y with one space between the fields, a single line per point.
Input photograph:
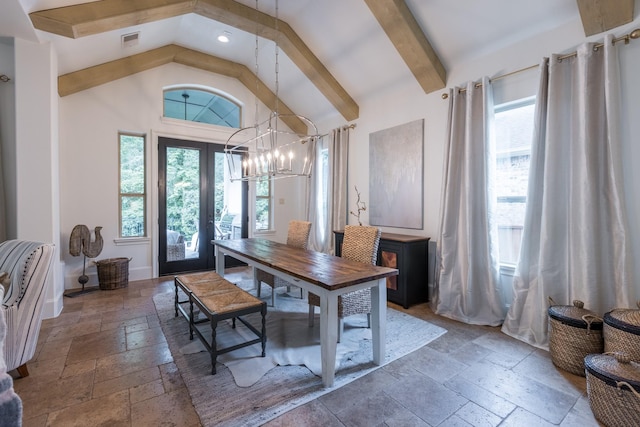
x=217 y=299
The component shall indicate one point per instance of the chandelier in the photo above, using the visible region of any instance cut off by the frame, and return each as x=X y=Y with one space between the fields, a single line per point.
x=268 y=150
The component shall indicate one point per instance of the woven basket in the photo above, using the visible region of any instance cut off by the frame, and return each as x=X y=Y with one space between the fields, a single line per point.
x=613 y=387
x=113 y=273
x=621 y=332
x=574 y=332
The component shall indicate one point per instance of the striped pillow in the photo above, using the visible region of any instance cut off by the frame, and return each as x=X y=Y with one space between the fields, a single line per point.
x=18 y=258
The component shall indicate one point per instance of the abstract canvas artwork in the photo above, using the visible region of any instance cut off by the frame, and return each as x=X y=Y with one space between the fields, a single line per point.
x=396 y=176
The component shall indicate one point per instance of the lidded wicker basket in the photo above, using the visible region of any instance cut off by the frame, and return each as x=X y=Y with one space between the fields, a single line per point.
x=113 y=273
x=613 y=387
x=574 y=332
x=621 y=332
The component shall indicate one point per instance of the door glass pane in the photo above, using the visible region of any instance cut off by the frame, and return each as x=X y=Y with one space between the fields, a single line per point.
x=227 y=200
x=183 y=203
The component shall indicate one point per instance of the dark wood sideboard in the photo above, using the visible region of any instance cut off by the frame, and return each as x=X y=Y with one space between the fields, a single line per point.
x=409 y=255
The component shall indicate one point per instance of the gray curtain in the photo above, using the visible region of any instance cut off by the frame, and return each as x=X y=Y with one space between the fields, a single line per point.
x=575 y=242
x=467 y=274
x=327 y=195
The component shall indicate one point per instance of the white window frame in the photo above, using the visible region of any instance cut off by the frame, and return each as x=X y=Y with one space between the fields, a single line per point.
x=143 y=195
x=269 y=199
x=512 y=105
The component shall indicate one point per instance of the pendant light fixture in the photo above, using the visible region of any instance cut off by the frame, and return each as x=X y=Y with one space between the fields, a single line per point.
x=268 y=149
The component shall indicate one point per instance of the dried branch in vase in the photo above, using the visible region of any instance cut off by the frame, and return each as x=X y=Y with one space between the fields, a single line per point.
x=358 y=205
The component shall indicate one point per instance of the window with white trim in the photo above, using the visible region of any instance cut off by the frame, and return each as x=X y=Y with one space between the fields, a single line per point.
x=513 y=134
x=132 y=183
x=264 y=204
x=202 y=106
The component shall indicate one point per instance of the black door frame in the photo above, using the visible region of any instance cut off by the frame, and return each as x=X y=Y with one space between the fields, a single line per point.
x=206 y=258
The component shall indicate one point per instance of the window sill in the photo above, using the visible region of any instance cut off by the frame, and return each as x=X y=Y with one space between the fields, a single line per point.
x=126 y=241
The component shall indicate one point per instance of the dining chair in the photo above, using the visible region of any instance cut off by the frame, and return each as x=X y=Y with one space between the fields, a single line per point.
x=297 y=236
x=360 y=244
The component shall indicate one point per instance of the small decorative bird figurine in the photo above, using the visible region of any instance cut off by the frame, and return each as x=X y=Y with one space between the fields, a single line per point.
x=80 y=241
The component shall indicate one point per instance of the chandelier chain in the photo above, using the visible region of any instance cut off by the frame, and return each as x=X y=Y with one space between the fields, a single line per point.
x=257 y=69
x=263 y=151
x=277 y=70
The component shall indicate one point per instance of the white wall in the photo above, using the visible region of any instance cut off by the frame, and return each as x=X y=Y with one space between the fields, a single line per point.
x=89 y=125
x=34 y=181
x=28 y=125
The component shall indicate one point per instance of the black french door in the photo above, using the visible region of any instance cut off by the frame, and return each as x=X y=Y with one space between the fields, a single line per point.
x=197 y=203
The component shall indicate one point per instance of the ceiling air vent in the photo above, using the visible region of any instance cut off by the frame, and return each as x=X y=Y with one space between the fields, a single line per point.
x=129 y=40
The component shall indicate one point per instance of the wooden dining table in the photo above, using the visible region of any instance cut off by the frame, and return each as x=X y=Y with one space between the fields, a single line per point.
x=325 y=275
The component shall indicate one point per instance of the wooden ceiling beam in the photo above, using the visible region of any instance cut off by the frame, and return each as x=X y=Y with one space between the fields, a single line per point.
x=97 y=17
x=250 y=20
x=107 y=15
x=409 y=40
x=599 y=16
x=104 y=73
x=232 y=69
x=87 y=78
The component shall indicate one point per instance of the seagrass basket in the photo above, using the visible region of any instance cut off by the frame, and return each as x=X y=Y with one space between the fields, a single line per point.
x=613 y=388
x=113 y=273
x=621 y=332
x=574 y=332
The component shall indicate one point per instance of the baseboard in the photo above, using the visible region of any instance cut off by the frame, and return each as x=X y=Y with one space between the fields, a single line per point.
x=140 y=273
x=53 y=303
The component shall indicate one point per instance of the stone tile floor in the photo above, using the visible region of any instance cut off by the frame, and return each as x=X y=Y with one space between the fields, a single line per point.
x=105 y=362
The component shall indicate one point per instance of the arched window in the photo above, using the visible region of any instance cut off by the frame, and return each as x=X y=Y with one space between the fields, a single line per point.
x=197 y=105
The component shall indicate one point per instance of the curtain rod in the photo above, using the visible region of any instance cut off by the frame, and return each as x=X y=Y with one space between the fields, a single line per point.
x=4 y=78
x=345 y=127
x=635 y=34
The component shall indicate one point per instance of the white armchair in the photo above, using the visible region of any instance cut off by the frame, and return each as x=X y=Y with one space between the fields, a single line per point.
x=27 y=265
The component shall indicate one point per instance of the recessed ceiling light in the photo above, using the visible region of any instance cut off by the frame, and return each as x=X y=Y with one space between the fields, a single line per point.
x=224 y=37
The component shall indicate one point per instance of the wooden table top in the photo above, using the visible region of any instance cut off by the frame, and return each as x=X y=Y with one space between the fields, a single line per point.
x=327 y=271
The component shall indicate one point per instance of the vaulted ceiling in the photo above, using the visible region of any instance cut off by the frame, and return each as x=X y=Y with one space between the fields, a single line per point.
x=334 y=52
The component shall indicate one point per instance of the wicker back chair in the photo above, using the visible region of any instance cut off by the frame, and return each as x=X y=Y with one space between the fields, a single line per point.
x=360 y=244
x=297 y=236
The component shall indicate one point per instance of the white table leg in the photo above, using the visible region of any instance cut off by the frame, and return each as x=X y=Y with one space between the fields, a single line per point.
x=328 y=337
x=219 y=261
x=379 y=320
x=256 y=282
